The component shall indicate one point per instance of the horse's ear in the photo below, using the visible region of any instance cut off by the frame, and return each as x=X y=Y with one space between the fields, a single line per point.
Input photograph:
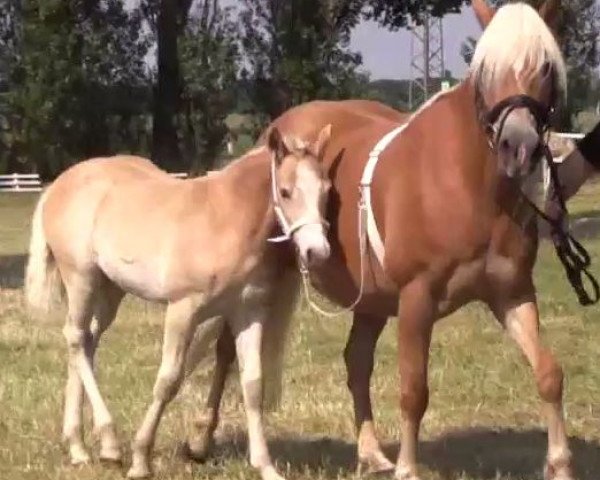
x=550 y=12
x=322 y=141
x=277 y=145
x=483 y=12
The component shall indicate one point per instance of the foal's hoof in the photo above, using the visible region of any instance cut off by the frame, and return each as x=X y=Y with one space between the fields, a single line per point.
x=562 y=472
x=139 y=470
x=79 y=456
x=197 y=450
x=269 y=473
x=374 y=464
x=404 y=473
x=111 y=455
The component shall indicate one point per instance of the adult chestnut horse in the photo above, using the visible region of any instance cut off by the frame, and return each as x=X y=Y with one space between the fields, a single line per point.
x=111 y=226
x=447 y=221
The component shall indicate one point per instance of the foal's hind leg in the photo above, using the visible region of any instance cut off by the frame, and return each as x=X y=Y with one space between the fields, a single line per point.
x=80 y=343
x=358 y=356
x=522 y=323
x=179 y=329
x=106 y=304
x=200 y=445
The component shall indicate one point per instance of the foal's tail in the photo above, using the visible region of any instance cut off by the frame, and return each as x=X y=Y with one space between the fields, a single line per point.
x=42 y=280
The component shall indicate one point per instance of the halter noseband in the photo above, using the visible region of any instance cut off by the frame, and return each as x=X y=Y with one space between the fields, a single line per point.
x=572 y=254
x=287 y=229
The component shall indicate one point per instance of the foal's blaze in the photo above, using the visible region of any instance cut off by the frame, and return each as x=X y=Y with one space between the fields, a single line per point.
x=518 y=60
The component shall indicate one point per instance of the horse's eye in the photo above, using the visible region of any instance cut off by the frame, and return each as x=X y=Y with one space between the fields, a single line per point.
x=285 y=193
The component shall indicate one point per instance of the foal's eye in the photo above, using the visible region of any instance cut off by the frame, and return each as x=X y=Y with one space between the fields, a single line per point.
x=285 y=193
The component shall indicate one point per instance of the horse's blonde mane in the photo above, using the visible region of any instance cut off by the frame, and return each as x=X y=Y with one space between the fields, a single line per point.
x=517 y=39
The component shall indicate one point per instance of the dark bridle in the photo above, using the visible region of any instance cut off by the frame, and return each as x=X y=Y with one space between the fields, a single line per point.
x=571 y=253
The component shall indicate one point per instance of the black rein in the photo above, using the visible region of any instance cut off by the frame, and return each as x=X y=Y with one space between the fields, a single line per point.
x=571 y=253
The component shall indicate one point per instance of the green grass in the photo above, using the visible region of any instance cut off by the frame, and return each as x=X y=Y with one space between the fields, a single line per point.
x=483 y=421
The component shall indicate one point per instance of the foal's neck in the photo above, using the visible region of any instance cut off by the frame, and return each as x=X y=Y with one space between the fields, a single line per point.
x=247 y=184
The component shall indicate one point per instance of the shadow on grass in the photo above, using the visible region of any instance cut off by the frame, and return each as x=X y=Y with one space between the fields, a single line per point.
x=478 y=453
x=12 y=270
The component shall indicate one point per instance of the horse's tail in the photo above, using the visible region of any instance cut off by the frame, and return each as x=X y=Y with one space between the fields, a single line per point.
x=42 y=280
x=275 y=334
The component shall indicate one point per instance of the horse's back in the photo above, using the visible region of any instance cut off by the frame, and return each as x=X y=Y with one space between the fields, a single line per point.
x=306 y=121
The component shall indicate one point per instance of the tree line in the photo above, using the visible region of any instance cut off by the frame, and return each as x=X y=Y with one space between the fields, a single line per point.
x=85 y=78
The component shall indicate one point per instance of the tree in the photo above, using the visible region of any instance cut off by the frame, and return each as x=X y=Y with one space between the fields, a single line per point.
x=298 y=50
x=209 y=65
x=168 y=19
x=396 y=14
x=71 y=57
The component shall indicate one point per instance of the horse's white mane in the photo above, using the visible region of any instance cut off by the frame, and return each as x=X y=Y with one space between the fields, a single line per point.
x=516 y=39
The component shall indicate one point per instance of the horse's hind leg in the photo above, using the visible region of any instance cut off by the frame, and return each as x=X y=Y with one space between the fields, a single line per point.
x=200 y=445
x=358 y=356
x=522 y=323
x=78 y=335
x=179 y=329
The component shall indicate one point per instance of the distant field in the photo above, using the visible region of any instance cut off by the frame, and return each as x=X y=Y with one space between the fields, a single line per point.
x=483 y=422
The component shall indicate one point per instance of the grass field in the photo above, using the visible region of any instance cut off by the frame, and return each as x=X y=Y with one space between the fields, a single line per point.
x=483 y=420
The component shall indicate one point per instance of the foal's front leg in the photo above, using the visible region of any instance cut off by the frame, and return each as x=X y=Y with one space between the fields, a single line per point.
x=521 y=320
x=248 y=330
x=179 y=329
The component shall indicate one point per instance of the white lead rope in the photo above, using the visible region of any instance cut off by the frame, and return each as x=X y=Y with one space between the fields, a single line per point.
x=362 y=236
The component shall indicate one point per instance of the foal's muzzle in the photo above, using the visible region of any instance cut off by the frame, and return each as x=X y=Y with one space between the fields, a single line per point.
x=312 y=243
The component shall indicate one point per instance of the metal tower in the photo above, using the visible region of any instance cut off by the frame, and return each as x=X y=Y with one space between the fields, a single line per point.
x=426 y=59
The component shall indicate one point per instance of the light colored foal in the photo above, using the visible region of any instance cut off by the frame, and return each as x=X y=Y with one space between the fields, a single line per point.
x=119 y=225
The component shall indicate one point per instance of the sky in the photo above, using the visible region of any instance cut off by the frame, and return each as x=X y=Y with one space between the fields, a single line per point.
x=387 y=54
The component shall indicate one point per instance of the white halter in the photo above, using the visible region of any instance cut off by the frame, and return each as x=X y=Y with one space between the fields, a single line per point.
x=288 y=230
x=367 y=227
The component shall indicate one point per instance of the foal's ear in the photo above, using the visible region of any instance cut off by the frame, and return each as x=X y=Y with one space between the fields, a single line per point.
x=483 y=12
x=550 y=13
x=322 y=141
x=277 y=145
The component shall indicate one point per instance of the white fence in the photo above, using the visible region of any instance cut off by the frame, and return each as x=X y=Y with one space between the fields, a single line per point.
x=30 y=182
x=20 y=182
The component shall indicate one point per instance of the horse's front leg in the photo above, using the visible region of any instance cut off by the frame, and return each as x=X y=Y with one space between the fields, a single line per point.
x=521 y=320
x=247 y=327
x=416 y=319
x=359 y=357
